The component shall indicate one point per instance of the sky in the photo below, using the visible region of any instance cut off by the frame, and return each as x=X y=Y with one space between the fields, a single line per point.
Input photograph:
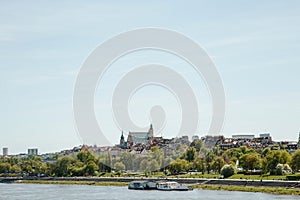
x=255 y=46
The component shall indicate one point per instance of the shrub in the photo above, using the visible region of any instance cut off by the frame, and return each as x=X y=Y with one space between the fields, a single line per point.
x=283 y=169
x=293 y=177
x=227 y=171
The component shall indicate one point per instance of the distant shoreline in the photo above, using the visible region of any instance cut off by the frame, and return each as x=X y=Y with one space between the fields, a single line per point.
x=272 y=187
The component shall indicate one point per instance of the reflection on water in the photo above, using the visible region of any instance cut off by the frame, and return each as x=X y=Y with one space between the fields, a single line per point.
x=85 y=192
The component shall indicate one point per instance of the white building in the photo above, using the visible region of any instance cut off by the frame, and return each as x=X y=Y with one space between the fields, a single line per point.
x=243 y=137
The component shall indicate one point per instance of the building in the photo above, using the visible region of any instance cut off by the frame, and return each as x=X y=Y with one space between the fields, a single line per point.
x=33 y=151
x=5 y=151
x=243 y=137
x=195 y=137
x=264 y=135
x=211 y=141
x=140 y=137
x=291 y=147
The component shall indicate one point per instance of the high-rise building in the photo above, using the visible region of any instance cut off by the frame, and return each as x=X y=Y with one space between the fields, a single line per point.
x=5 y=151
x=33 y=151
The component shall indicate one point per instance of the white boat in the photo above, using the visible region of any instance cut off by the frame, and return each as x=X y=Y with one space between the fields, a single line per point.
x=142 y=185
x=171 y=185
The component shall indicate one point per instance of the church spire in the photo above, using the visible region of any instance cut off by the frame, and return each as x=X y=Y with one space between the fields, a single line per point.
x=122 y=139
x=151 y=131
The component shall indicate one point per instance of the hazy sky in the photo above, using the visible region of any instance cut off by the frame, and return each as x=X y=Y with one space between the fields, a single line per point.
x=254 y=44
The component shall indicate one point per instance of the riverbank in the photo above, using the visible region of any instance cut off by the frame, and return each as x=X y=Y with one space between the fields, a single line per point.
x=72 y=182
x=269 y=190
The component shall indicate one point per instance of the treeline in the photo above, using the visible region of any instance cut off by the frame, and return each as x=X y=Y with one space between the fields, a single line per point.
x=267 y=161
x=192 y=158
x=84 y=164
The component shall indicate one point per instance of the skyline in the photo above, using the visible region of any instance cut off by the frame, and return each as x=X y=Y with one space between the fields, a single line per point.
x=125 y=135
x=43 y=45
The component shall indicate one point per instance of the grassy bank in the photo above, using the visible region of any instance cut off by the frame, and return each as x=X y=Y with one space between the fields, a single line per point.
x=235 y=176
x=73 y=182
x=286 y=191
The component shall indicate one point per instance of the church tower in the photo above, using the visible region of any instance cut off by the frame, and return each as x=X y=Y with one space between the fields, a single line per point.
x=122 y=139
x=151 y=131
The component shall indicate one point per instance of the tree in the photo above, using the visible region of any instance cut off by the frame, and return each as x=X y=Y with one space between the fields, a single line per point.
x=119 y=166
x=158 y=155
x=86 y=156
x=153 y=166
x=232 y=155
x=143 y=165
x=15 y=169
x=178 y=166
x=227 y=171
x=197 y=144
x=91 y=168
x=217 y=165
x=273 y=158
x=209 y=157
x=200 y=164
x=249 y=161
x=128 y=160
x=265 y=152
x=63 y=166
x=190 y=154
x=285 y=157
x=295 y=161
x=5 y=167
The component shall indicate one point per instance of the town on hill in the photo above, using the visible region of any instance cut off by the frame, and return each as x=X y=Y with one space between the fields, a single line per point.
x=143 y=152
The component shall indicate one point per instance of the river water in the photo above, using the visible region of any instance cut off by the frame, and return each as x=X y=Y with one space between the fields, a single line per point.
x=86 y=192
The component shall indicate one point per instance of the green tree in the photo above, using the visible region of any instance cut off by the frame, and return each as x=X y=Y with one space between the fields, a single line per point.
x=178 y=165
x=197 y=144
x=119 y=166
x=86 y=156
x=190 y=154
x=16 y=169
x=217 y=165
x=232 y=155
x=143 y=165
x=5 y=167
x=200 y=164
x=63 y=166
x=209 y=157
x=273 y=158
x=158 y=155
x=285 y=157
x=250 y=161
x=91 y=168
x=128 y=160
x=227 y=171
x=295 y=161
x=153 y=166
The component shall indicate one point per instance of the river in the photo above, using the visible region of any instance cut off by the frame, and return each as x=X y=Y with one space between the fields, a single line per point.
x=85 y=192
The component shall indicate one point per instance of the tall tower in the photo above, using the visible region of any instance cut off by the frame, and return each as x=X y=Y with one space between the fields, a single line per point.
x=5 y=151
x=151 y=131
x=122 y=139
